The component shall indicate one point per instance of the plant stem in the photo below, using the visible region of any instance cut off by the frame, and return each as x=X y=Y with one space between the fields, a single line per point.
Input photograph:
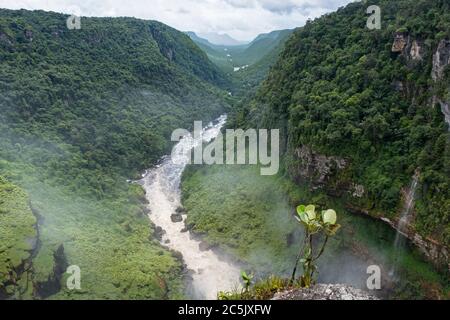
x=300 y=253
x=310 y=271
x=322 y=249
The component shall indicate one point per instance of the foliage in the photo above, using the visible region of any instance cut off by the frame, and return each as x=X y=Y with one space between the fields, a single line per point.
x=257 y=227
x=254 y=59
x=18 y=239
x=82 y=111
x=313 y=225
x=244 y=213
x=247 y=279
x=247 y=81
x=335 y=89
x=261 y=290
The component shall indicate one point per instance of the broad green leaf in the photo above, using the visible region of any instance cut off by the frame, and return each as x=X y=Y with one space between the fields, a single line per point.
x=301 y=209
x=304 y=217
x=311 y=211
x=330 y=217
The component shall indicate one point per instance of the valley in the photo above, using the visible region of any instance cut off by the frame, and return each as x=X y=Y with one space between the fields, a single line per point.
x=87 y=179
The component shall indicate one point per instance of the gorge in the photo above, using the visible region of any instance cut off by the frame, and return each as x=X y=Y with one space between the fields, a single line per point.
x=363 y=124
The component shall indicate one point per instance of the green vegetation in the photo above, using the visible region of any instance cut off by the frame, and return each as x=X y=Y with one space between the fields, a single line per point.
x=262 y=290
x=249 y=79
x=250 y=217
x=254 y=59
x=247 y=279
x=224 y=204
x=313 y=224
x=111 y=240
x=338 y=89
x=82 y=112
x=18 y=237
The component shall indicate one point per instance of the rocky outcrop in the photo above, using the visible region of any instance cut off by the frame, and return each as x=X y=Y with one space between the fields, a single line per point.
x=29 y=35
x=165 y=47
x=441 y=59
x=52 y=286
x=357 y=191
x=416 y=52
x=445 y=107
x=435 y=252
x=4 y=40
x=400 y=42
x=325 y=292
x=176 y=218
x=412 y=49
x=314 y=167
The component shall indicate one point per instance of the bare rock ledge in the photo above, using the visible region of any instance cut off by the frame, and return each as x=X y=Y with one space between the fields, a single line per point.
x=325 y=292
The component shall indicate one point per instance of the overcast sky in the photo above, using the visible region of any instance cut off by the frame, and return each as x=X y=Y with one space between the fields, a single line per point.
x=242 y=19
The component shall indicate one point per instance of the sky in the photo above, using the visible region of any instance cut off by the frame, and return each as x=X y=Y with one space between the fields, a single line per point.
x=241 y=19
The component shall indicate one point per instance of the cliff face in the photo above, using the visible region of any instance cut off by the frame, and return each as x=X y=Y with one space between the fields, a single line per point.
x=328 y=173
x=315 y=167
x=441 y=59
x=363 y=110
x=445 y=107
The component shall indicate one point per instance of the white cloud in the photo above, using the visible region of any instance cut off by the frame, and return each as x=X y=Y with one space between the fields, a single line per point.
x=242 y=19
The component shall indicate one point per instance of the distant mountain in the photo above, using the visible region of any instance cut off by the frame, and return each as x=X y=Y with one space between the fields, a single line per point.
x=250 y=77
x=233 y=58
x=262 y=46
x=221 y=39
x=249 y=63
x=271 y=35
x=198 y=40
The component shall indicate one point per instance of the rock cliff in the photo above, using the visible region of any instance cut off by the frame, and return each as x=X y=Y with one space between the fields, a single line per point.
x=325 y=292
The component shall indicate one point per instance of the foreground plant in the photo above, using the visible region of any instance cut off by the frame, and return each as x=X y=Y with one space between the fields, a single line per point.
x=315 y=225
x=264 y=289
x=247 y=279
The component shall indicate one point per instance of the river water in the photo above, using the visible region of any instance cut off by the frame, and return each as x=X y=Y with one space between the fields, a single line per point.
x=211 y=274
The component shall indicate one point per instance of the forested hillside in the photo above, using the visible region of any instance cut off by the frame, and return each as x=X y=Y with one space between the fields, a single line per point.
x=361 y=113
x=18 y=241
x=81 y=112
x=247 y=64
x=360 y=109
x=248 y=79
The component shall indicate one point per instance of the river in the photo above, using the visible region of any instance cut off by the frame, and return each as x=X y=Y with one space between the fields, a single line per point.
x=210 y=273
x=365 y=241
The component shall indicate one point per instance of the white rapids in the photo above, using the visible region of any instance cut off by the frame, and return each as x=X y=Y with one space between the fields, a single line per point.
x=162 y=185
